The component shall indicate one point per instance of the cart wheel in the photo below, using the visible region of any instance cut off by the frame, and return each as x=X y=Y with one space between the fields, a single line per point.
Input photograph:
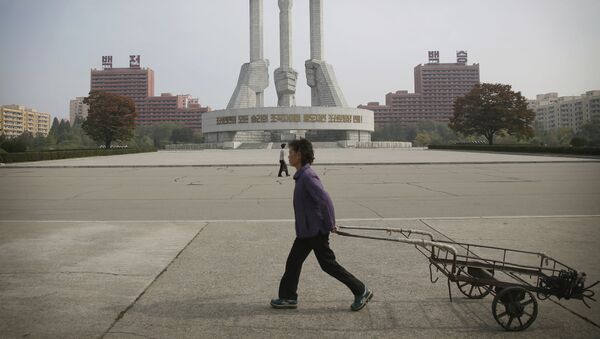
x=472 y=291
x=514 y=308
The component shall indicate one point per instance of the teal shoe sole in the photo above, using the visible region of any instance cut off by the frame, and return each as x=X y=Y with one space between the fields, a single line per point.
x=369 y=297
x=284 y=306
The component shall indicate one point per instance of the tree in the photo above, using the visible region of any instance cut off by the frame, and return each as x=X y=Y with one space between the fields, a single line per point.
x=437 y=132
x=39 y=141
x=64 y=130
x=578 y=142
x=183 y=135
x=490 y=110
x=53 y=133
x=591 y=132
x=110 y=118
x=160 y=134
x=78 y=121
x=422 y=139
x=18 y=144
x=555 y=137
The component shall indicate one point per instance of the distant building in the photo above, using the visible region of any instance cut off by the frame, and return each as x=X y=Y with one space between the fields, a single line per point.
x=138 y=84
x=552 y=111
x=77 y=109
x=134 y=82
x=181 y=109
x=16 y=119
x=437 y=85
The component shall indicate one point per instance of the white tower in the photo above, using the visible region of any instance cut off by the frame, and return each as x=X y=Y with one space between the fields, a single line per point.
x=254 y=76
x=320 y=75
x=285 y=76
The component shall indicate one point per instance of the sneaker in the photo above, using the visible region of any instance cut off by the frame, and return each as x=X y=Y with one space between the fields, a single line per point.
x=361 y=301
x=284 y=303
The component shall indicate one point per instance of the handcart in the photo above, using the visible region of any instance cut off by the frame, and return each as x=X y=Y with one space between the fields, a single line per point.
x=513 y=277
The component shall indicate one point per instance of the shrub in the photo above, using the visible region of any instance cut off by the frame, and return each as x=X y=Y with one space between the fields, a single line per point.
x=522 y=149
x=14 y=145
x=66 y=154
x=578 y=142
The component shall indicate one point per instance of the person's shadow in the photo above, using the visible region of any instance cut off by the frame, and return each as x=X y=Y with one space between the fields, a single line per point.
x=213 y=308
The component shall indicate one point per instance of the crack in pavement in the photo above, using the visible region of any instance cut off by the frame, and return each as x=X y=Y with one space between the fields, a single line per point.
x=77 y=195
x=431 y=190
x=135 y=334
x=76 y=272
x=130 y=306
x=370 y=209
x=508 y=179
x=241 y=192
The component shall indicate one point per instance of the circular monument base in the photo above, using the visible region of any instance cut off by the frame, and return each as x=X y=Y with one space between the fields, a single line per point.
x=271 y=124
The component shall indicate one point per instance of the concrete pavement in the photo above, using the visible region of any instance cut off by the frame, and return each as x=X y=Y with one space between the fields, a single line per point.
x=126 y=280
x=325 y=156
x=158 y=252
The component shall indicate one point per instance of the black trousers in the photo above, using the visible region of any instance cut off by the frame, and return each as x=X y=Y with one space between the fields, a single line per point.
x=282 y=167
x=300 y=250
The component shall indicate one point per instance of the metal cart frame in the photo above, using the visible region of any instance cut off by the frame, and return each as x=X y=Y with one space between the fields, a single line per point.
x=511 y=276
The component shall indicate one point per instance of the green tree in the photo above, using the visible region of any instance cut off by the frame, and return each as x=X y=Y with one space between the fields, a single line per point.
x=395 y=131
x=53 y=133
x=161 y=133
x=422 y=139
x=110 y=118
x=64 y=131
x=78 y=121
x=27 y=139
x=554 y=137
x=16 y=145
x=438 y=132
x=182 y=135
x=158 y=134
x=490 y=110
x=39 y=141
x=591 y=133
x=198 y=138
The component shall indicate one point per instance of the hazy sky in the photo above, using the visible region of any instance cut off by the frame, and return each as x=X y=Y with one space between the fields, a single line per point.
x=198 y=46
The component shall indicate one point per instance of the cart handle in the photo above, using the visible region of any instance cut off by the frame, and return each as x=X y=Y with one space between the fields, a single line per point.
x=389 y=230
x=418 y=242
x=545 y=258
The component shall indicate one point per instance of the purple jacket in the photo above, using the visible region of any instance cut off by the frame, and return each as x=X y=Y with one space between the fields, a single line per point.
x=313 y=207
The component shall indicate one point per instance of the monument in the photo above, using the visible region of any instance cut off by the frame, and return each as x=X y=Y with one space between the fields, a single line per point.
x=285 y=75
x=319 y=75
x=246 y=119
x=254 y=76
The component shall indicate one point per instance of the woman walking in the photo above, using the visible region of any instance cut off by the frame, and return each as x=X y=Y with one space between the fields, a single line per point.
x=315 y=219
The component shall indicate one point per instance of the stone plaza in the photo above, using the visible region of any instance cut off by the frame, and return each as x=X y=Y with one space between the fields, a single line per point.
x=193 y=244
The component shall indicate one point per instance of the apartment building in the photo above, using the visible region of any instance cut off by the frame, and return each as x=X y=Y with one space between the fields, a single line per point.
x=552 y=111
x=181 y=109
x=77 y=110
x=16 y=119
x=437 y=85
x=137 y=83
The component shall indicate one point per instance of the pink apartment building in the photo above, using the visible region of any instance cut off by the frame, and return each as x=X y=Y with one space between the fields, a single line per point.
x=437 y=85
x=137 y=83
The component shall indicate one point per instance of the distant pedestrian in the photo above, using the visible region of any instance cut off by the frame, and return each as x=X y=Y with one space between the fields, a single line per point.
x=315 y=219
x=282 y=164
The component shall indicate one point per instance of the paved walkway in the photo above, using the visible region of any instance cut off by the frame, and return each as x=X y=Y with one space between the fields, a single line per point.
x=156 y=252
x=324 y=156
